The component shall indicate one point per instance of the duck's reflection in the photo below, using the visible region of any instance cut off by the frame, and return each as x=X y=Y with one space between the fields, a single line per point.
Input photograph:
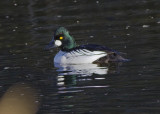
x=82 y=79
x=70 y=74
x=19 y=99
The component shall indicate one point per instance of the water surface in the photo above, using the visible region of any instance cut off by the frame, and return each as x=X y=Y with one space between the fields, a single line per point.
x=127 y=26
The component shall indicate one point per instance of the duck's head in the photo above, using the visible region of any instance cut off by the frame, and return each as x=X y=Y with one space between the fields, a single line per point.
x=62 y=39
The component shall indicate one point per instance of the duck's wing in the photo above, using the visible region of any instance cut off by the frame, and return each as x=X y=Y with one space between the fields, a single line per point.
x=112 y=55
x=94 y=47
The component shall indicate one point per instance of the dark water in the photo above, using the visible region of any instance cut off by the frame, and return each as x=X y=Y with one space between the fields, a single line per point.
x=132 y=27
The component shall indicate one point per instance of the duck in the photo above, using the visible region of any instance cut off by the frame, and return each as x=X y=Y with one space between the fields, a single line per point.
x=71 y=53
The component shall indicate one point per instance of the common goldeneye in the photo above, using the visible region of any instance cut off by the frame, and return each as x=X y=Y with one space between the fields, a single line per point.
x=70 y=53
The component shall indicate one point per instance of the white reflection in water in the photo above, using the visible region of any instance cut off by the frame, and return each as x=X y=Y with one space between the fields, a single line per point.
x=62 y=88
x=19 y=99
x=70 y=74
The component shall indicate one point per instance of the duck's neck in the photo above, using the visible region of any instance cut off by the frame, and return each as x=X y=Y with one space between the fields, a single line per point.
x=68 y=44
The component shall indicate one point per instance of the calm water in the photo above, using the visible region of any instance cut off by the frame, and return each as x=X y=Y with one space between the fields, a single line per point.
x=28 y=72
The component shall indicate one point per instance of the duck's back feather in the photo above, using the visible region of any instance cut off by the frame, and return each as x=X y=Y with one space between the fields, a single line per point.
x=93 y=47
x=112 y=55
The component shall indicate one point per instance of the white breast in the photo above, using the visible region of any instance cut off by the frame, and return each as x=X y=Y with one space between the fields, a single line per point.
x=78 y=56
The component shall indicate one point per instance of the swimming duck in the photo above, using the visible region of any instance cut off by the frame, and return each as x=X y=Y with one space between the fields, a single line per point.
x=70 y=53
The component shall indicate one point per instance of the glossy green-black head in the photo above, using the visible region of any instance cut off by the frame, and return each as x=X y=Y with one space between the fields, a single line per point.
x=62 y=39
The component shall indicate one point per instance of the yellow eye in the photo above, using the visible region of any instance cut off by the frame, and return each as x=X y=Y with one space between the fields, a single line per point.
x=61 y=38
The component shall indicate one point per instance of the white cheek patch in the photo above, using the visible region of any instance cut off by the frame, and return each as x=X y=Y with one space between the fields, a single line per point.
x=58 y=43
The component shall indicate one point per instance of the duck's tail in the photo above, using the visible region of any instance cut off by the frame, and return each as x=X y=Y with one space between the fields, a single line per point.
x=111 y=57
x=114 y=57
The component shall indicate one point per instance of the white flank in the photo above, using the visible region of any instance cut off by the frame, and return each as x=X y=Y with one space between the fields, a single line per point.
x=58 y=43
x=78 y=56
x=82 y=69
